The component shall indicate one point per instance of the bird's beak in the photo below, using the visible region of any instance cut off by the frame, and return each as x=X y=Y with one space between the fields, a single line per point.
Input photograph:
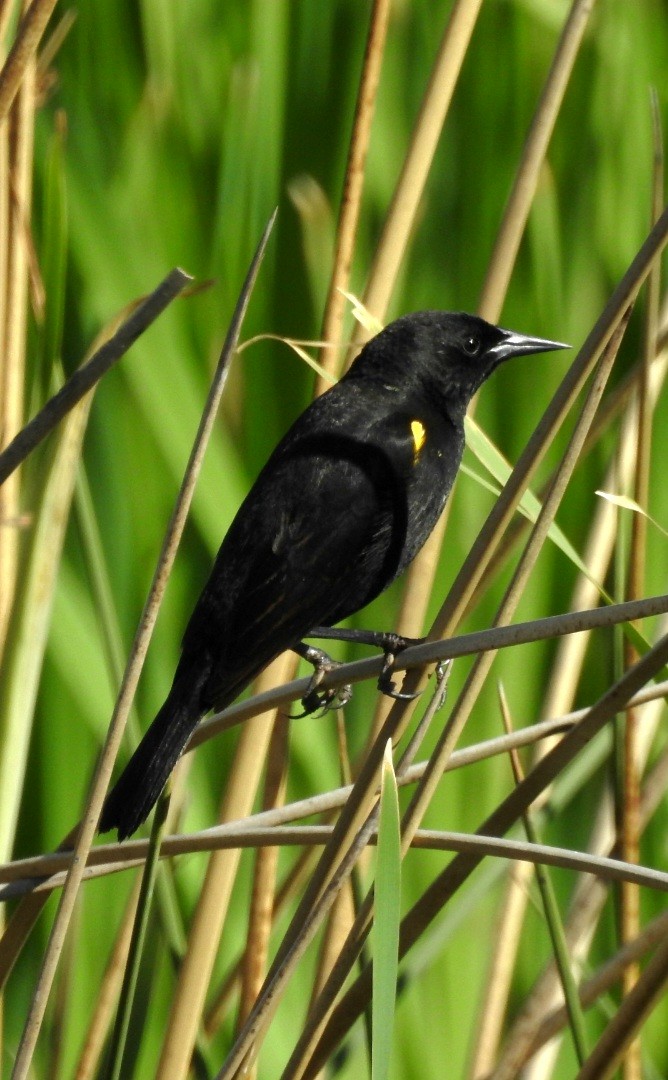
x=513 y=344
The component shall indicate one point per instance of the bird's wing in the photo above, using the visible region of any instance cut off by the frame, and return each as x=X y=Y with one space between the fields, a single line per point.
x=320 y=534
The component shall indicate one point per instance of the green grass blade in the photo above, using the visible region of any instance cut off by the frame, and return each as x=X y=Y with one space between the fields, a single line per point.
x=386 y=922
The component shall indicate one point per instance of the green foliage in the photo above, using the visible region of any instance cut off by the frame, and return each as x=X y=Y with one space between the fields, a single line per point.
x=171 y=133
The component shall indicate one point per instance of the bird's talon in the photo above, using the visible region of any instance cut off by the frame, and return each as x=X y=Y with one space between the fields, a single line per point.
x=386 y=684
x=317 y=703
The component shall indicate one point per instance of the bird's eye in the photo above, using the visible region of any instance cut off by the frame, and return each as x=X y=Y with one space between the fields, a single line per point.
x=471 y=345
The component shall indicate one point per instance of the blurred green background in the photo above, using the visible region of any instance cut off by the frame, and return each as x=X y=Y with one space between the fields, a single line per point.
x=171 y=132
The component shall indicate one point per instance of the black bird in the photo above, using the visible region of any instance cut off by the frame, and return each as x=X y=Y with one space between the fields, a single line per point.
x=342 y=506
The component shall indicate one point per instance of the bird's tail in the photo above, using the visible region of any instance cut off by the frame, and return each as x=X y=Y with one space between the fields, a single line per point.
x=139 y=785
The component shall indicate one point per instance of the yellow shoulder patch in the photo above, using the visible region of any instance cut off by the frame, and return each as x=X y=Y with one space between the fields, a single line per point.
x=419 y=433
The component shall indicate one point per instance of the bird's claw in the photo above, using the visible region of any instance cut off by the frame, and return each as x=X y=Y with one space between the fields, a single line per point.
x=315 y=701
x=393 y=645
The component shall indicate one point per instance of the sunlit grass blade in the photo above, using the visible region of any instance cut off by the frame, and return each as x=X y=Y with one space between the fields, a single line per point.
x=29 y=626
x=386 y=922
x=128 y=989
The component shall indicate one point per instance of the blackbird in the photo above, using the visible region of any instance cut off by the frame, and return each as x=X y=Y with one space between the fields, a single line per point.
x=342 y=506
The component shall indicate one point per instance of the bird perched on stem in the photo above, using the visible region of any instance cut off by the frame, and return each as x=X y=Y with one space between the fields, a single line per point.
x=342 y=506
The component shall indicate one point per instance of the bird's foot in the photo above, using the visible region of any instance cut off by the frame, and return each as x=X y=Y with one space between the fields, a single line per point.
x=316 y=701
x=392 y=645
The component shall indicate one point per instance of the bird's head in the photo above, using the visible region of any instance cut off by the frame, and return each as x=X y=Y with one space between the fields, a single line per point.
x=446 y=354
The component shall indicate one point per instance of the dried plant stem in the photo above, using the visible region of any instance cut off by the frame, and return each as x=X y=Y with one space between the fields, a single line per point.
x=417 y=657
x=264 y=877
x=131 y=677
x=417 y=163
x=290 y=888
x=19 y=129
x=535 y=148
x=108 y=994
x=302 y=932
x=603 y=980
x=476 y=562
x=212 y=906
x=552 y=914
x=634 y=1010
x=491 y=1009
x=121 y=1028
x=22 y=53
x=585 y=909
x=433 y=899
x=352 y=189
x=461 y=711
x=360 y=927
x=629 y=913
x=559 y=694
x=85 y=377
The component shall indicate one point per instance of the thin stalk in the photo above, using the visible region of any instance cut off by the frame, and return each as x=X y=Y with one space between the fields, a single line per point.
x=461 y=711
x=352 y=189
x=419 y=156
x=122 y=1026
x=22 y=53
x=533 y=155
x=552 y=916
x=135 y=663
x=629 y=897
x=85 y=377
x=108 y=993
x=349 y=1007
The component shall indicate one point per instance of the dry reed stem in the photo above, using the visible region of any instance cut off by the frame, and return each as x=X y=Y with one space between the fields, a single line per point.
x=634 y=1010
x=604 y=980
x=523 y=1040
x=566 y=671
x=535 y=148
x=246 y=1047
x=417 y=162
x=251 y=836
x=352 y=189
x=22 y=53
x=5 y=16
x=498 y=980
x=431 y=652
x=343 y=908
x=302 y=930
x=294 y=881
x=212 y=906
x=629 y=896
x=18 y=128
x=567 y=665
x=105 y=764
x=31 y=620
x=90 y=372
x=585 y=909
x=108 y=992
x=476 y=562
x=359 y=930
x=445 y=745
x=441 y=890
x=260 y=917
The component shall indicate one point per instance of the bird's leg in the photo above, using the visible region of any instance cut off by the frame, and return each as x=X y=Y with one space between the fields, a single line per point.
x=390 y=643
x=315 y=700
